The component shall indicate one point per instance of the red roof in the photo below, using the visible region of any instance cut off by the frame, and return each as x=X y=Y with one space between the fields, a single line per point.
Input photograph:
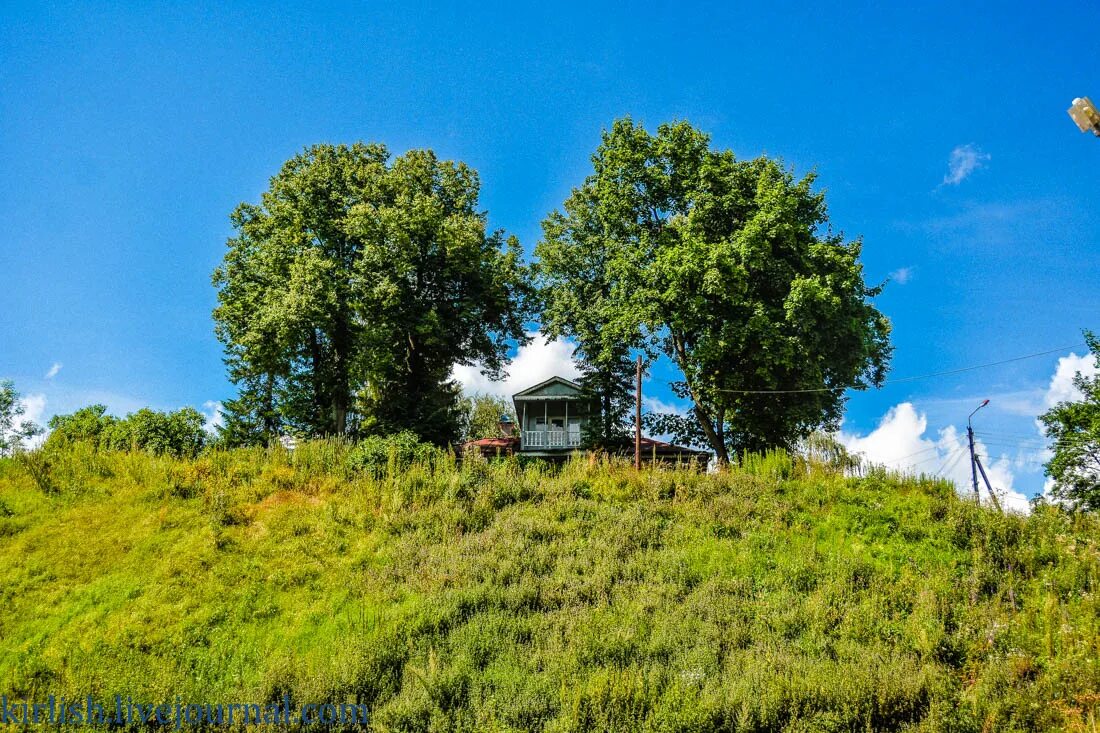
x=512 y=443
x=494 y=442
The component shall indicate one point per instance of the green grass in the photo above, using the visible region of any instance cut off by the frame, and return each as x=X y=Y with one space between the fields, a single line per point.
x=776 y=597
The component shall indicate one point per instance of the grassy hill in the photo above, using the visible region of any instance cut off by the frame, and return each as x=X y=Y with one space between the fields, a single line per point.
x=503 y=597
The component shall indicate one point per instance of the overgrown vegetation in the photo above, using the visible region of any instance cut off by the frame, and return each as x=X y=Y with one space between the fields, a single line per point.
x=496 y=596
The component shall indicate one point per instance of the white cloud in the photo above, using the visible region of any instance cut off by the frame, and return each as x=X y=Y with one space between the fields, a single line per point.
x=902 y=275
x=34 y=410
x=53 y=370
x=212 y=411
x=899 y=443
x=1061 y=387
x=655 y=404
x=964 y=160
x=536 y=362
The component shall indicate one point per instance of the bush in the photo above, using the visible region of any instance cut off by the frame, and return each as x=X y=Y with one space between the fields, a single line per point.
x=179 y=434
x=87 y=424
x=382 y=455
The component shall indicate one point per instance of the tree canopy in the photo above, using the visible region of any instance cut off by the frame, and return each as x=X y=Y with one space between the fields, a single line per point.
x=1074 y=428
x=354 y=287
x=726 y=267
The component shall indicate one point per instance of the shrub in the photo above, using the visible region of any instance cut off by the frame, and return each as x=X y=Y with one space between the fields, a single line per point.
x=179 y=434
x=382 y=455
x=87 y=424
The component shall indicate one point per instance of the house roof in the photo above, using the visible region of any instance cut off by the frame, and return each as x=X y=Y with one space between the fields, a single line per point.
x=530 y=391
x=494 y=442
x=510 y=445
x=649 y=444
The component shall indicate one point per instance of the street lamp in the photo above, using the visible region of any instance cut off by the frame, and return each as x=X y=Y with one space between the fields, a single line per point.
x=970 y=438
x=1085 y=115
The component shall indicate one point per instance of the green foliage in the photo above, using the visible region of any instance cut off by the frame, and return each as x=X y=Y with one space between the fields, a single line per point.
x=354 y=287
x=482 y=414
x=378 y=455
x=88 y=424
x=608 y=384
x=775 y=464
x=179 y=434
x=496 y=596
x=12 y=430
x=1074 y=427
x=726 y=267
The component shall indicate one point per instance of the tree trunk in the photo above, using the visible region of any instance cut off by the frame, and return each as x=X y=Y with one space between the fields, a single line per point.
x=341 y=387
x=714 y=434
x=608 y=428
x=267 y=415
x=317 y=379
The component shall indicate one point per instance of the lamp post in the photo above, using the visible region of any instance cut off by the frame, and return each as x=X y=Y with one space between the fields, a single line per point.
x=973 y=460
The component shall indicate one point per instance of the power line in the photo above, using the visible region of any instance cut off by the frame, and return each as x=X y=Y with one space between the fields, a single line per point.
x=958 y=453
x=1010 y=434
x=902 y=458
x=906 y=379
x=1033 y=444
x=923 y=461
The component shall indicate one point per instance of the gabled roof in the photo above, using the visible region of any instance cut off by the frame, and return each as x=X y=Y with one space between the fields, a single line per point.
x=532 y=391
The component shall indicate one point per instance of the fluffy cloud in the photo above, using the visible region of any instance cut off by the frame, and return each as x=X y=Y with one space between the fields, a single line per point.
x=34 y=410
x=654 y=404
x=899 y=442
x=1061 y=387
x=964 y=160
x=536 y=362
x=212 y=411
x=53 y=370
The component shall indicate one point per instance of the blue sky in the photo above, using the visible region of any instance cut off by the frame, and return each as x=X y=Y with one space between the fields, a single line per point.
x=128 y=134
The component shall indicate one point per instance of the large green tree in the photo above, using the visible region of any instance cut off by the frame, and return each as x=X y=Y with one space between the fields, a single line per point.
x=726 y=267
x=576 y=287
x=353 y=288
x=1074 y=428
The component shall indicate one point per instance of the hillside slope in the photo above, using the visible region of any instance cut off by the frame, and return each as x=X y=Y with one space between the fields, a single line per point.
x=498 y=597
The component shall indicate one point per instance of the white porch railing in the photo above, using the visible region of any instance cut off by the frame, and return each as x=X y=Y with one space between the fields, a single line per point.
x=550 y=439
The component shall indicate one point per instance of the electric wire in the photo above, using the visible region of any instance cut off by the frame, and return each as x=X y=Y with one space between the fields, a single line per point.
x=901 y=380
x=958 y=453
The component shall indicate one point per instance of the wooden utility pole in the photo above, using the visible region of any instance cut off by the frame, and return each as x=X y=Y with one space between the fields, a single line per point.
x=638 y=419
